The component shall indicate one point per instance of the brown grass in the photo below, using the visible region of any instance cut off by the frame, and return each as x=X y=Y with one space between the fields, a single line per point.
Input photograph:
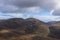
x=28 y=37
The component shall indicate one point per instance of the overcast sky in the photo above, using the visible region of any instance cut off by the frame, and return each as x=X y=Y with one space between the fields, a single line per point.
x=46 y=10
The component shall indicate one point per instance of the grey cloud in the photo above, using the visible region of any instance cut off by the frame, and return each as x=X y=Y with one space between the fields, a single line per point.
x=47 y=4
x=56 y=12
x=22 y=5
x=25 y=3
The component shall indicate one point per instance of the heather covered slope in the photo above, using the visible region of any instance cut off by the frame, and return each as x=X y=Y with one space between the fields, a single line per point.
x=24 y=29
x=25 y=26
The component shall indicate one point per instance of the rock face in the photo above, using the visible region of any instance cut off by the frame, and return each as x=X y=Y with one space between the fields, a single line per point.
x=55 y=29
x=25 y=26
